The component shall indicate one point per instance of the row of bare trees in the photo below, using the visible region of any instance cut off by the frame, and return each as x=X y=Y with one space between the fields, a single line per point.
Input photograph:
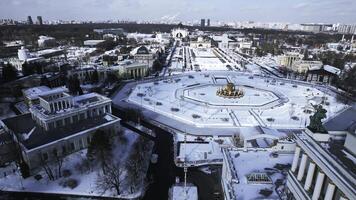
x=120 y=174
x=117 y=172
x=52 y=167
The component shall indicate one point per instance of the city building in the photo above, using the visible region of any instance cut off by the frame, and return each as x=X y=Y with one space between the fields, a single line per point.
x=143 y=55
x=112 y=31
x=46 y=41
x=263 y=166
x=39 y=20
x=202 y=23
x=289 y=58
x=85 y=74
x=59 y=125
x=346 y=29
x=302 y=66
x=322 y=74
x=32 y=95
x=208 y=23
x=180 y=32
x=323 y=164
x=29 y=20
x=316 y=28
x=52 y=79
x=334 y=46
x=1 y=68
x=163 y=38
x=200 y=42
x=23 y=54
x=92 y=43
x=131 y=70
x=224 y=41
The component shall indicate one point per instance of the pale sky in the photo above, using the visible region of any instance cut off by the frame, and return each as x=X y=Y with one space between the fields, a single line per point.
x=294 y=11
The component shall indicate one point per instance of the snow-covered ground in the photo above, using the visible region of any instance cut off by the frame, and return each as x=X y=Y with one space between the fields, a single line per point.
x=253 y=68
x=5 y=111
x=86 y=179
x=205 y=59
x=191 y=98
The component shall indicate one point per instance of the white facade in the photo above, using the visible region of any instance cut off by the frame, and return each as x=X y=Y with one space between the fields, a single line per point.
x=180 y=33
x=289 y=58
x=92 y=43
x=302 y=66
x=23 y=54
x=200 y=43
x=350 y=142
x=46 y=41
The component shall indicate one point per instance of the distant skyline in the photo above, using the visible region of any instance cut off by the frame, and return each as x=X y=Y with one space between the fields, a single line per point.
x=293 y=11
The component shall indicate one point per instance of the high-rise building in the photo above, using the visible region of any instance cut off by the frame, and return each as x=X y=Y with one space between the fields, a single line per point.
x=39 y=20
x=29 y=20
x=208 y=22
x=202 y=22
x=346 y=29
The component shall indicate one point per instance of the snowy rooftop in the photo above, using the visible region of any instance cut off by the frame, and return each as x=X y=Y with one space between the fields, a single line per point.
x=197 y=153
x=33 y=93
x=328 y=68
x=178 y=192
x=257 y=162
x=35 y=136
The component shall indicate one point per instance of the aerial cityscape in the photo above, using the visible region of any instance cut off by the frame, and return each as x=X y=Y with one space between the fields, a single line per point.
x=186 y=100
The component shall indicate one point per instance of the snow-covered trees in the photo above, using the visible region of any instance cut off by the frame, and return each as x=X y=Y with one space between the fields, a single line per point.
x=138 y=164
x=100 y=149
x=73 y=85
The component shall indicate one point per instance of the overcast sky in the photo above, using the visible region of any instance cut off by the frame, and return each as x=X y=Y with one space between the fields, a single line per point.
x=294 y=11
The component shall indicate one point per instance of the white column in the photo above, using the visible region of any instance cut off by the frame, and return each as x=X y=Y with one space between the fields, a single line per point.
x=295 y=159
x=56 y=106
x=310 y=175
x=330 y=192
x=303 y=163
x=343 y=198
x=318 y=185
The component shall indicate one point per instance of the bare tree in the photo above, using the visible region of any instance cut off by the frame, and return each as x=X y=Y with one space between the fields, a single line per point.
x=112 y=179
x=135 y=174
x=46 y=167
x=137 y=163
x=58 y=160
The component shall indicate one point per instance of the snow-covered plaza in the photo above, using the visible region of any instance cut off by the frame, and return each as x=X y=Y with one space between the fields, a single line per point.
x=191 y=99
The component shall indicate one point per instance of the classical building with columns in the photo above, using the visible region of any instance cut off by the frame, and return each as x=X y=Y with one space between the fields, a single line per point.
x=144 y=55
x=60 y=124
x=322 y=168
x=131 y=70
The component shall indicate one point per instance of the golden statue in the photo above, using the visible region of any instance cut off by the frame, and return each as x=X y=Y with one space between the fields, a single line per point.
x=229 y=91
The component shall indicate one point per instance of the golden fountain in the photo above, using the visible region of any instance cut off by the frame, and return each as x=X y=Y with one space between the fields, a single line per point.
x=229 y=91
